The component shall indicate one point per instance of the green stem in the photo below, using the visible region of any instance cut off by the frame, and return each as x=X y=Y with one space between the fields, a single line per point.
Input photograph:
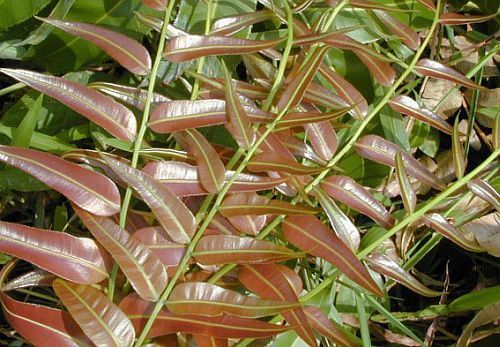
x=189 y=251
x=141 y=133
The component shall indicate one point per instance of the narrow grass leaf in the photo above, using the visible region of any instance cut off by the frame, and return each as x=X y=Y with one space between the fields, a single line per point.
x=211 y=169
x=126 y=51
x=188 y=47
x=230 y=249
x=378 y=149
x=24 y=133
x=439 y=224
x=223 y=326
x=170 y=211
x=210 y=300
x=388 y=267
x=459 y=160
x=408 y=194
x=241 y=128
x=347 y=191
x=76 y=259
x=410 y=107
x=437 y=70
x=101 y=320
x=485 y=191
x=310 y=235
x=102 y=110
x=89 y=190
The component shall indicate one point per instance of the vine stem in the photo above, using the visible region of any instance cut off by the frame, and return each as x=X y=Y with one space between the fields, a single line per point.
x=349 y=144
x=199 y=233
x=141 y=133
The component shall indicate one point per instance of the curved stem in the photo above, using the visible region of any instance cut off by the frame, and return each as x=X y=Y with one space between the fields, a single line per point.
x=199 y=233
x=142 y=132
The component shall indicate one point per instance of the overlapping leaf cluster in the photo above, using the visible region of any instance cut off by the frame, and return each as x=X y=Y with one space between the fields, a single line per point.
x=205 y=216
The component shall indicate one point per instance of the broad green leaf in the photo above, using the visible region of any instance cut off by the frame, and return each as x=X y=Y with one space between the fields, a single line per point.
x=100 y=109
x=170 y=211
x=101 y=320
x=143 y=269
x=126 y=51
x=77 y=259
x=210 y=300
x=87 y=189
x=475 y=300
x=24 y=133
x=223 y=326
x=230 y=249
x=39 y=34
x=311 y=236
x=19 y=11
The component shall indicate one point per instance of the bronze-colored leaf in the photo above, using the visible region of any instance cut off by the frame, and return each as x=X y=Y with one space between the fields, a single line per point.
x=439 y=224
x=143 y=269
x=408 y=194
x=311 y=236
x=485 y=191
x=188 y=47
x=230 y=249
x=101 y=320
x=434 y=69
x=347 y=191
x=170 y=211
x=210 y=300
